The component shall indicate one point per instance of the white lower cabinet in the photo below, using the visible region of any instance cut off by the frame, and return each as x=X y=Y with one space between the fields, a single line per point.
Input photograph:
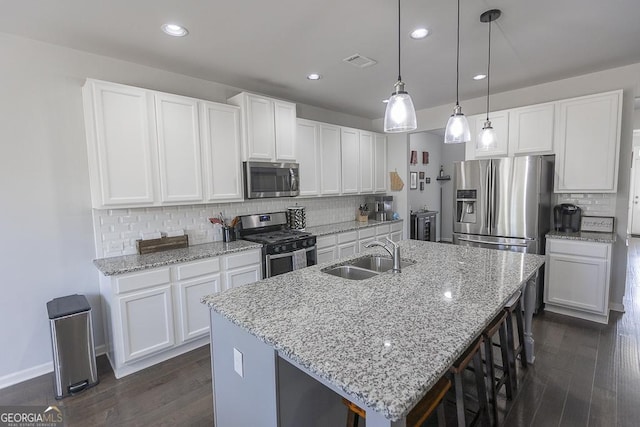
x=339 y=245
x=396 y=231
x=191 y=315
x=147 y=322
x=326 y=248
x=156 y=314
x=577 y=276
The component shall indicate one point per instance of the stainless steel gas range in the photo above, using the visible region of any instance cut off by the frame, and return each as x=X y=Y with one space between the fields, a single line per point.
x=283 y=249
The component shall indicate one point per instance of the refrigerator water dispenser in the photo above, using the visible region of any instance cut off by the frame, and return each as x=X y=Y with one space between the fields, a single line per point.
x=466 y=206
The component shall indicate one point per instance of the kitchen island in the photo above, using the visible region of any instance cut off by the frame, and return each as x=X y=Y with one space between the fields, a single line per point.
x=381 y=343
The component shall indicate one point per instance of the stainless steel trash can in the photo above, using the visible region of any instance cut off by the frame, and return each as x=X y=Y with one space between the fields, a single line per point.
x=74 y=358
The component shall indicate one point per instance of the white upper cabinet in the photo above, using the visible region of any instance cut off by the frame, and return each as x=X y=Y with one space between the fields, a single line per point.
x=307 y=141
x=330 y=164
x=149 y=148
x=220 y=130
x=531 y=129
x=268 y=128
x=588 y=143
x=179 y=160
x=285 y=130
x=380 y=161
x=349 y=148
x=366 y=162
x=500 y=122
x=119 y=144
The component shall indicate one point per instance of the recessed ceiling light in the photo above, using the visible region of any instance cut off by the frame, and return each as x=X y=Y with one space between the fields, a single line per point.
x=174 y=30
x=419 y=33
x=314 y=76
x=479 y=77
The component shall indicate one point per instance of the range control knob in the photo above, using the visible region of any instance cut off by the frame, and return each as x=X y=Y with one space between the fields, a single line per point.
x=276 y=249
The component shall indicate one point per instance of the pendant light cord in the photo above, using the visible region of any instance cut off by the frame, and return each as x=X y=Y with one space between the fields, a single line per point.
x=458 y=58
x=488 y=70
x=399 y=76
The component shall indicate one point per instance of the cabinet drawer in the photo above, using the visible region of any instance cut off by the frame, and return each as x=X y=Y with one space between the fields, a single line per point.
x=242 y=259
x=366 y=232
x=578 y=248
x=199 y=268
x=350 y=236
x=383 y=229
x=396 y=226
x=141 y=280
x=326 y=241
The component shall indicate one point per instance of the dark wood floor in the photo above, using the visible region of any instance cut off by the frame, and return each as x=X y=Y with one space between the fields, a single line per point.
x=585 y=375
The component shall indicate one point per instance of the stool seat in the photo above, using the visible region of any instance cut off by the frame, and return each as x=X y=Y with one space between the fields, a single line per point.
x=420 y=412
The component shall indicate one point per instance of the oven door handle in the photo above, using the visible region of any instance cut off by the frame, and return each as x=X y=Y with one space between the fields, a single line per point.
x=288 y=254
x=268 y=258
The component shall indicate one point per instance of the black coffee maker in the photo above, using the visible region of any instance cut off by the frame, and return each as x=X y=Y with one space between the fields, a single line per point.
x=566 y=217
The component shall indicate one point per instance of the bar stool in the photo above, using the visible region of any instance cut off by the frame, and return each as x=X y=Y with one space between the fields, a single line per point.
x=472 y=354
x=418 y=415
x=514 y=306
x=498 y=326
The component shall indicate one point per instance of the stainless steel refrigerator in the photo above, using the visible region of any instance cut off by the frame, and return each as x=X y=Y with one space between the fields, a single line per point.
x=503 y=204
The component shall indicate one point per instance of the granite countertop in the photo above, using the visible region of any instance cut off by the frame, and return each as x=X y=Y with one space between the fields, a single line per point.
x=129 y=263
x=340 y=227
x=587 y=236
x=386 y=340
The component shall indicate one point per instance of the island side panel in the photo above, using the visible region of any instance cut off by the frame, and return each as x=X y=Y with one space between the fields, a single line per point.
x=250 y=399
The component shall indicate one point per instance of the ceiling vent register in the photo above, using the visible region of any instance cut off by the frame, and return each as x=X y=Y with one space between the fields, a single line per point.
x=360 y=61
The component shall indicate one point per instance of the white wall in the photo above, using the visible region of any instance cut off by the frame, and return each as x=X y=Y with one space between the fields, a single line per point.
x=626 y=78
x=46 y=218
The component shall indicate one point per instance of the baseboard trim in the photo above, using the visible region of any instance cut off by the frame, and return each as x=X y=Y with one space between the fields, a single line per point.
x=26 y=374
x=616 y=307
x=36 y=371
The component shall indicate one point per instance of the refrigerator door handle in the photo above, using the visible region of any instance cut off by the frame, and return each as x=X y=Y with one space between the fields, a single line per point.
x=487 y=198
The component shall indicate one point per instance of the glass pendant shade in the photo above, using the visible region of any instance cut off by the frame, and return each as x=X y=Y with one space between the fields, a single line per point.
x=457 y=130
x=487 y=138
x=400 y=115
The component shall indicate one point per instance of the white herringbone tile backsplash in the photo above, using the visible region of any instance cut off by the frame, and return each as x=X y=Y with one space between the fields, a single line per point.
x=116 y=230
x=594 y=204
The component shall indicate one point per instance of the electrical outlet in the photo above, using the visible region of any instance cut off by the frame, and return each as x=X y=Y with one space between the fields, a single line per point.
x=237 y=362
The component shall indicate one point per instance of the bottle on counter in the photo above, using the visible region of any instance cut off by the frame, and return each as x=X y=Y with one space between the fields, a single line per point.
x=441 y=171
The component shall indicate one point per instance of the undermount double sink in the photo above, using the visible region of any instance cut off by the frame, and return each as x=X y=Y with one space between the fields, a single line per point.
x=364 y=267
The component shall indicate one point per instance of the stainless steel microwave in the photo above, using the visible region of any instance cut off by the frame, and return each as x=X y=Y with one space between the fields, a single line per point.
x=267 y=179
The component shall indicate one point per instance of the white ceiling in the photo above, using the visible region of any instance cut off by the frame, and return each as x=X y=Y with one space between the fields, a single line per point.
x=270 y=46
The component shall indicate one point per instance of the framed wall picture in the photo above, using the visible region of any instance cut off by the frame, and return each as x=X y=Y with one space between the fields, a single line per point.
x=414 y=157
x=601 y=224
x=421 y=175
x=413 y=181
x=425 y=157
x=427 y=180
x=421 y=186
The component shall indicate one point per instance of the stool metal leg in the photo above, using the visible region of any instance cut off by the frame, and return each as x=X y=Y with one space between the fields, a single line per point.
x=488 y=349
x=457 y=379
x=520 y=323
x=483 y=406
x=504 y=350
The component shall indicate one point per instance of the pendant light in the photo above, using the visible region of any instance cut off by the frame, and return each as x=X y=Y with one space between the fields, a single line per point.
x=457 y=130
x=487 y=139
x=400 y=115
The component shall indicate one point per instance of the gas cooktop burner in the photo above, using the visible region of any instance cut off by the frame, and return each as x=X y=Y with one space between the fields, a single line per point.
x=279 y=236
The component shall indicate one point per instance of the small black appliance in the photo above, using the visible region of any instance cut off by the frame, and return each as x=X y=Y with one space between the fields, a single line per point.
x=566 y=217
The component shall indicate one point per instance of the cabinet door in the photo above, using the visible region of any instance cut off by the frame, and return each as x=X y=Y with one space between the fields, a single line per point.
x=500 y=123
x=531 y=129
x=260 y=128
x=330 y=165
x=119 y=141
x=588 y=143
x=147 y=322
x=347 y=249
x=350 y=158
x=307 y=133
x=396 y=236
x=241 y=276
x=366 y=162
x=285 y=130
x=380 y=162
x=326 y=255
x=220 y=125
x=577 y=282
x=179 y=161
x=193 y=316
x=364 y=242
